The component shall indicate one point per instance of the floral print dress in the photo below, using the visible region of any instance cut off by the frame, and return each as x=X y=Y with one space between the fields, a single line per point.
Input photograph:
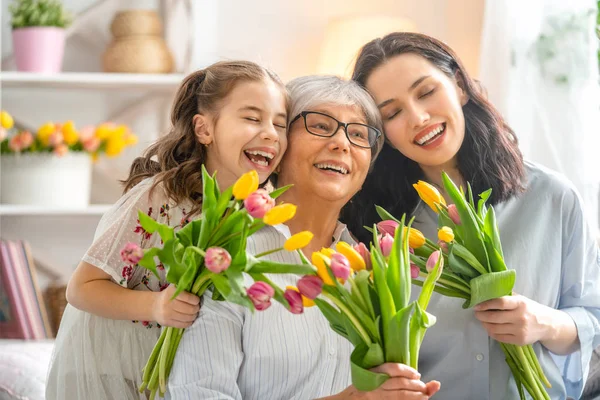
x=100 y=358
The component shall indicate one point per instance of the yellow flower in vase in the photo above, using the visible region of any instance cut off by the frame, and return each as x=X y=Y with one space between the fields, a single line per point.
x=114 y=146
x=45 y=131
x=70 y=134
x=6 y=120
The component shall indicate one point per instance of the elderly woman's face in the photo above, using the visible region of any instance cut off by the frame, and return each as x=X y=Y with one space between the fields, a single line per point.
x=330 y=167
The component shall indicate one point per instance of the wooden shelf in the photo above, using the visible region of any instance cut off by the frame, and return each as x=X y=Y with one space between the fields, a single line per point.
x=90 y=80
x=30 y=210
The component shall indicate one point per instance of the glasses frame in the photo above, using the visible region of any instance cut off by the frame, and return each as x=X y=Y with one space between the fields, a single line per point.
x=344 y=125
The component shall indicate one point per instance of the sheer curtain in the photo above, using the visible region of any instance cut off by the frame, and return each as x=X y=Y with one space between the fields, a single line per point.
x=540 y=66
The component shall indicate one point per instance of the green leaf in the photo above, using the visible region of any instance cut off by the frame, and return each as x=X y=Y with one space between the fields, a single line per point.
x=188 y=233
x=353 y=335
x=272 y=267
x=464 y=253
x=483 y=197
x=363 y=379
x=147 y=222
x=361 y=279
x=491 y=286
x=394 y=271
x=384 y=215
x=174 y=267
x=496 y=261
x=224 y=201
x=279 y=191
x=148 y=260
x=209 y=200
x=374 y=356
x=491 y=229
x=334 y=316
x=460 y=266
x=429 y=284
x=398 y=334
x=221 y=284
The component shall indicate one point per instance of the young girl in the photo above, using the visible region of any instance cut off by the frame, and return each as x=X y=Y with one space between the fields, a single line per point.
x=436 y=120
x=231 y=117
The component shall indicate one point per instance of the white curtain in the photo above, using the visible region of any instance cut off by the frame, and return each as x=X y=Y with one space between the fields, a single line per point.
x=539 y=64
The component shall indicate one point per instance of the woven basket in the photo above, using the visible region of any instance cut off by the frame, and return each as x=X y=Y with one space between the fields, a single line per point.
x=136 y=23
x=57 y=301
x=138 y=54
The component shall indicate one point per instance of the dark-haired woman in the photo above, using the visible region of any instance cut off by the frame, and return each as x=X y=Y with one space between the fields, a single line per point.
x=436 y=120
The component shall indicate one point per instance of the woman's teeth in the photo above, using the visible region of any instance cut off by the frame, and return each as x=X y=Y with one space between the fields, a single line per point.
x=336 y=168
x=259 y=157
x=431 y=135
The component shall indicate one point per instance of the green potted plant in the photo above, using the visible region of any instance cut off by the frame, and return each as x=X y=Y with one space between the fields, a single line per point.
x=38 y=31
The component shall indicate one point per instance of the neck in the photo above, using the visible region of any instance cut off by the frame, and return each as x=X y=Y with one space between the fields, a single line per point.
x=433 y=175
x=313 y=214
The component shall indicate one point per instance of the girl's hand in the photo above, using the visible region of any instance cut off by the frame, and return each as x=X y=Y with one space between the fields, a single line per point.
x=522 y=321
x=404 y=384
x=180 y=312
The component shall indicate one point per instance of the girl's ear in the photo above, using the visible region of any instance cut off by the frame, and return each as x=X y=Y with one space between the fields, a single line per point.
x=202 y=129
x=460 y=86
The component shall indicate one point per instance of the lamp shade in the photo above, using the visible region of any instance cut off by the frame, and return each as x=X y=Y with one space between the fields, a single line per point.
x=345 y=36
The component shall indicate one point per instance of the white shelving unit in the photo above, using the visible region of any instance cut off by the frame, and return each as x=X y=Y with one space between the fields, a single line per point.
x=25 y=210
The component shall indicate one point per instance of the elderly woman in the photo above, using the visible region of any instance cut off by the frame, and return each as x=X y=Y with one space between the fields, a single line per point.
x=231 y=353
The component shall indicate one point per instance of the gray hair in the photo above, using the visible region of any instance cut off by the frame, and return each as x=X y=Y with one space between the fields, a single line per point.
x=309 y=92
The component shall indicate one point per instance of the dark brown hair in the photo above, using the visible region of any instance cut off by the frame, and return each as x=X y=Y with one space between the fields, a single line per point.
x=488 y=158
x=175 y=159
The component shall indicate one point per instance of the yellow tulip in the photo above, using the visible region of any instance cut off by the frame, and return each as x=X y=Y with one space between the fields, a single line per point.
x=280 y=214
x=245 y=185
x=114 y=146
x=416 y=238
x=6 y=120
x=429 y=194
x=45 y=131
x=104 y=131
x=120 y=131
x=446 y=234
x=70 y=134
x=357 y=263
x=321 y=261
x=298 y=241
x=327 y=251
x=131 y=139
x=306 y=302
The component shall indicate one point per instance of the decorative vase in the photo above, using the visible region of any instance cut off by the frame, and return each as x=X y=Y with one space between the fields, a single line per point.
x=45 y=179
x=137 y=45
x=39 y=49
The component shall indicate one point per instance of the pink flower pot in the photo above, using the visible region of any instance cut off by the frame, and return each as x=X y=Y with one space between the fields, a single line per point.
x=39 y=49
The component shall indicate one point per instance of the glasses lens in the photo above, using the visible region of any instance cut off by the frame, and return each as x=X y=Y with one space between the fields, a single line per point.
x=321 y=125
x=361 y=135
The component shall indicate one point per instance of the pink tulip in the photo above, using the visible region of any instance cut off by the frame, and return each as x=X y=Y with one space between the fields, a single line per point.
x=3 y=134
x=340 y=266
x=364 y=253
x=91 y=144
x=217 y=259
x=26 y=139
x=14 y=143
x=414 y=271
x=453 y=214
x=55 y=139
x=260 y=293
x=61 y=150
x=388 y=226
x=386 y=243
x=432 y=260
x=443 y=245
x=131 y=253
x=258 y=203
x=295 y=301
x=310 y=286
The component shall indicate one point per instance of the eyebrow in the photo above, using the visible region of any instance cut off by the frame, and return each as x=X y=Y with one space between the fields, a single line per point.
x=411 y=88
x=260 y=110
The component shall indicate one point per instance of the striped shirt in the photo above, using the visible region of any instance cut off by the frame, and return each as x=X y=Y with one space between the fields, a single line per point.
x=232 y=353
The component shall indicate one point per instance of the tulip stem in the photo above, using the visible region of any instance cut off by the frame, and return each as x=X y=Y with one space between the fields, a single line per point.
x=361 y=331
x=266 y=253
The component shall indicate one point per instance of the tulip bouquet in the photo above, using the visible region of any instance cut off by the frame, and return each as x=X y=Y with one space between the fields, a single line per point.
x=372 y=309
x=106 y=138
x=209 y=253
x=470 y=242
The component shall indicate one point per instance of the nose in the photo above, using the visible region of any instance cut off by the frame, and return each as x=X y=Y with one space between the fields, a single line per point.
x=419 y=116
x=269 y=132
x=339 y=141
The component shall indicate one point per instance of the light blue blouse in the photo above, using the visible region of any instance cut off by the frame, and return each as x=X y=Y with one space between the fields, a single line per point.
x=545 y=238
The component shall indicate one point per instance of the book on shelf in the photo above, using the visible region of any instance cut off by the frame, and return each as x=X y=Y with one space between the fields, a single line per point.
x=22 y=309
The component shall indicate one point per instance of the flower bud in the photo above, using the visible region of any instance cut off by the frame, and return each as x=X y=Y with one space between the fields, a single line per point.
x=280 y=214
x=453 y=214
x=298 y=241
x=61 y=150
x=310 y=286
x=258 y=203
x=432 y=260
x=6 y=120
x=386 y=243
x=260 y=293
x=429 y=194
x=294 y=299
x=321 y=261
x=131 y=253
x=414 y=271
x=443 y=245
x=26 y=139
x=217 y=259
x=416 y=238
x=361 y=249
x=388 y=226
x=245 y=185
x=446 y=234
x=357 y=263
x=340 y=266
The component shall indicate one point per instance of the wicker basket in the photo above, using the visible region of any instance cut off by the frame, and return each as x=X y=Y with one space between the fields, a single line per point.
x=57 y=301
x=138 y=54
x=136 y=23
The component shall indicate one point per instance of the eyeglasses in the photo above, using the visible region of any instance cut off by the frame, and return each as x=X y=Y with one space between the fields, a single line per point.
x=324 y=125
